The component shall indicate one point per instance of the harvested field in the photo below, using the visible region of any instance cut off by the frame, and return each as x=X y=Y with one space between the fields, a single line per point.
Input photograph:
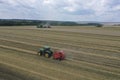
x=92 y=53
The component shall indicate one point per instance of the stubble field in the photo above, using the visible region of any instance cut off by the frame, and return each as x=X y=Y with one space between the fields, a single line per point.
x=91 y=53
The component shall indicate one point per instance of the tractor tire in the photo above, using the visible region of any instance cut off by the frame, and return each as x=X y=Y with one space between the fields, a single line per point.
x=40 y=53
x=47 y=55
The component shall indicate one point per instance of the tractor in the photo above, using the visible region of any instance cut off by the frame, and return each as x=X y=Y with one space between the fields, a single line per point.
x=43 y=26
x=47 y=52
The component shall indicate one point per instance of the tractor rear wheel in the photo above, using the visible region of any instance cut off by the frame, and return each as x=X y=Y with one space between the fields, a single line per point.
x=47 y=55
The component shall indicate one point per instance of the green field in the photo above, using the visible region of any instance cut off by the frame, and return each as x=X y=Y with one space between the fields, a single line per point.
x=91 y=53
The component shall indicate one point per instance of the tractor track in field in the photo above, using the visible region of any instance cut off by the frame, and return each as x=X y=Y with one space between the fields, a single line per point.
x=32 y=52
x=83 y=56
x=75 y=47
x=94 y=32
x=73 y=73
x=56 y=48
x=87 y=35
x=106 y=71
x=59 y=33
x=61 y=37
x=11 y=65
x=66 y=31
x=77 y=34
x=107 y=52
x=46 y=67
x=79 y=43
x=69 y=51
x=90 y=55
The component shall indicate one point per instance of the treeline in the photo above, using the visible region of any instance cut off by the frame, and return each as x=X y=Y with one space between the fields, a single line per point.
x=19 y=22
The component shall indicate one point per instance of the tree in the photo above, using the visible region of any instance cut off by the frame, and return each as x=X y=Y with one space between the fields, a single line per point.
x=99 y=25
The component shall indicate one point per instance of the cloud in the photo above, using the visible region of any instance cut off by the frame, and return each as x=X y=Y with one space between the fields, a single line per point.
x=48 y=2
x=1 y=1
x=97 y=10
x=116 y=8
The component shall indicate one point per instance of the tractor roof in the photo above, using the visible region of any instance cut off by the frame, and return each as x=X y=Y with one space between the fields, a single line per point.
x=46 y=46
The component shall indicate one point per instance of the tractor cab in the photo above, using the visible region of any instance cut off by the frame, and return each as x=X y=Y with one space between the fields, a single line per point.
x=46 y=48
x=45 y=51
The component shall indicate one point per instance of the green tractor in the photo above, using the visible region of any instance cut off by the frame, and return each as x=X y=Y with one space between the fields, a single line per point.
x=45 y=51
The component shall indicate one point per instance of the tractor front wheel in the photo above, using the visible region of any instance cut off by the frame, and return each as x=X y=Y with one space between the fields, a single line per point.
x=40 y=53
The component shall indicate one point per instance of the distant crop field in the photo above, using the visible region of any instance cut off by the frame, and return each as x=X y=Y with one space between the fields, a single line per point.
x=91 y=53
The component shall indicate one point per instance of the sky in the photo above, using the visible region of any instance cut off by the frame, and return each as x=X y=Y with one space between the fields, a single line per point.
x=61 y=10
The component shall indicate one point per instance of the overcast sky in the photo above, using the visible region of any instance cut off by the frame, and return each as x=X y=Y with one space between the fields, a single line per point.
x=70 y=10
